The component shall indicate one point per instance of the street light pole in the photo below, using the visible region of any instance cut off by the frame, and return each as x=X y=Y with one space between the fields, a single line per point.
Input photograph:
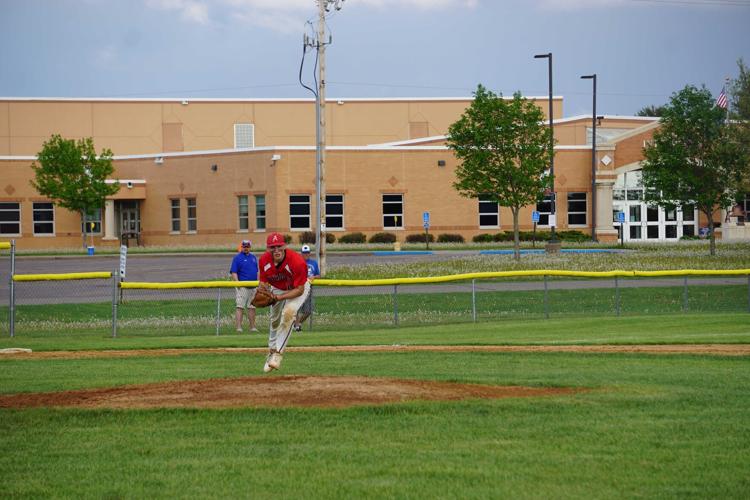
x=593 y=159
x=553 y=235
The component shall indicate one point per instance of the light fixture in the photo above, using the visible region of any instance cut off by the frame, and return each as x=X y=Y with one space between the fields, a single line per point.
x=441 y=163
x=214 y=168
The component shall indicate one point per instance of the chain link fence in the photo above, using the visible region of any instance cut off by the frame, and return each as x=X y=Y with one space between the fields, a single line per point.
x=7 y=251
x=100 y=306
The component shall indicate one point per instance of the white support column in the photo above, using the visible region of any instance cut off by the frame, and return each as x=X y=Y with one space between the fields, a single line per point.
x=109 y=221
x=605 y=229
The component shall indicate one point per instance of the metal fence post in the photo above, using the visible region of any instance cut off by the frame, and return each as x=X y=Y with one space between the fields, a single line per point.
x=685 y=294
x=395 y=305
x=474 y=300
x=218 y=311
x=115 y=300
x=12 y=310
x=546 y=305
x=312 y=309
x=617 y=296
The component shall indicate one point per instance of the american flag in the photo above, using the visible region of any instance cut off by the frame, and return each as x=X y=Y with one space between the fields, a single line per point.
x=721 y=101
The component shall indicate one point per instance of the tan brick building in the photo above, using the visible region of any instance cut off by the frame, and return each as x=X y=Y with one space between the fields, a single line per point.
x=213 y=171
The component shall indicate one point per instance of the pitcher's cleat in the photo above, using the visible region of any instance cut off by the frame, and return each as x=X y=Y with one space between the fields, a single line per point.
x=267 y=367
x=275 y=362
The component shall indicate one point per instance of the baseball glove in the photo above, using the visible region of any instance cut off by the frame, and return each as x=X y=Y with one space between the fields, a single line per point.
x=264 y=297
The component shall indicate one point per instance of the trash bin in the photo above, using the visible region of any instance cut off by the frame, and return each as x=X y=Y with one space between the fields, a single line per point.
x=91 y=250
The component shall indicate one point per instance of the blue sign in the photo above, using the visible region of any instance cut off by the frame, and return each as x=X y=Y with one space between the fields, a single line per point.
x=620 y=217
x=534 y=216
x=426 y=219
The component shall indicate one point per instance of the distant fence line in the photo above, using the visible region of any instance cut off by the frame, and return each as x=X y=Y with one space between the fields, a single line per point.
x=345 y=303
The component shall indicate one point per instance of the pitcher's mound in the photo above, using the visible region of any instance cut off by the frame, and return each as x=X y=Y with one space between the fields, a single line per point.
x=272 y=391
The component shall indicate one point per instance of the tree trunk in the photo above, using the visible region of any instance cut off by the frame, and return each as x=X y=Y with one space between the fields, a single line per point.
x=83 y=228
x=712 y=236
x=516 y=240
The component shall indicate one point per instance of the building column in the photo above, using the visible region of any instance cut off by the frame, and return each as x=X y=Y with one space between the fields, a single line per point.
x=109 y=221
x=605 y=229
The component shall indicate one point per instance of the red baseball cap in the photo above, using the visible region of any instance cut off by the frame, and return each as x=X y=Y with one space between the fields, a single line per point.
x=275 y=240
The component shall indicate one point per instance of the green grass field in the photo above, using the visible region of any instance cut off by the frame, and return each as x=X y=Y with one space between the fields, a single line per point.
x=656 y=426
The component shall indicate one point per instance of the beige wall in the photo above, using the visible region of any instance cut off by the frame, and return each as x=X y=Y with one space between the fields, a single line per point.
x=138 y=127
x=362 y=176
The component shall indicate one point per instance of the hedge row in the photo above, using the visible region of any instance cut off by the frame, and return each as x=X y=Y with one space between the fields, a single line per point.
x=572 y=236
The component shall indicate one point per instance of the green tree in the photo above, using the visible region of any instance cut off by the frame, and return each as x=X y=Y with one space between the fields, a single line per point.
x=650 y=111
x=504 y=149
x=739 y=112
x=70 y=174
x=739 y=94
x=694 y=158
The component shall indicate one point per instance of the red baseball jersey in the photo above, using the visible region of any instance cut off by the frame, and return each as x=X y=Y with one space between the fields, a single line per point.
x=290 y=273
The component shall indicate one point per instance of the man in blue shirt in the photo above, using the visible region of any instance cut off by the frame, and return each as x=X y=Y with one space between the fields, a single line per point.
x=244 y=268
x=313 y=271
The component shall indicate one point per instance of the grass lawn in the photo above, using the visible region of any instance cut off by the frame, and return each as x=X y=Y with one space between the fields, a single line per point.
x=648 y=425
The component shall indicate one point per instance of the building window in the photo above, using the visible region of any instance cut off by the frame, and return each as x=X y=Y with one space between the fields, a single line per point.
x=334 y=211
x=175 y=215
x=244 y=135
x=544 y=208
x=44 y=218
x=745 y=203
x=260 y=211
x=299 y=211
x=244 y=213
x=688 y=213
x=393 y=211
x=92 y=223
x=192 y=214
x=488 y=212
x=10 y=219
x=576 y=209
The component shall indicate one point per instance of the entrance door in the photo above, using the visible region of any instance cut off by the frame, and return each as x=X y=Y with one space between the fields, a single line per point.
x=130 y=219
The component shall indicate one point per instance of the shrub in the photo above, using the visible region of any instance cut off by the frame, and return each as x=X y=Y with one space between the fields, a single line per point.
x=420 y=238
x=353 y=238
x=308 y=237
x=503 y=236
x=482 y=238
x=287 y=238
x=575 y=236
x=450 y=238
x=383 y=238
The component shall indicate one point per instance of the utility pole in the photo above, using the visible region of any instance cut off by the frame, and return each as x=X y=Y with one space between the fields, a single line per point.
x=319 y=44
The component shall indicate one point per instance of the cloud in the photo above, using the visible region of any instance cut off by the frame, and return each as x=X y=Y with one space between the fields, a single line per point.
x=285 y=16
x=190 y=10
x=578 y=4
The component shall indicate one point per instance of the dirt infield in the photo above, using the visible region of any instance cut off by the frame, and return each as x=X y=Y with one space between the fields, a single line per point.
x=273 y=391
x=706 y=349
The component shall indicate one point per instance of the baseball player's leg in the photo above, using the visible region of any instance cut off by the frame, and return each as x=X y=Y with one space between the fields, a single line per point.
x=289 y=315
x=241 y=302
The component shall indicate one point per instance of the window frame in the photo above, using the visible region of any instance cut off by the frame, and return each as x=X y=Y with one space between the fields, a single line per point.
x=395 y=215
x=329 y=217
x=481 y=214
x=51 y=222
x=192 y=221
x=175 y=204
x=260 y=212
x=545 y=213
x=94 y=215
x=237 y=128
x=243 y=217
x=296 y=218
x=2 y=223
x=584 y=212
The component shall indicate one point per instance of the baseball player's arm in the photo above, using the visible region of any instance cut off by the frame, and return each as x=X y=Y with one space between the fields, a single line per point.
x=235 y=277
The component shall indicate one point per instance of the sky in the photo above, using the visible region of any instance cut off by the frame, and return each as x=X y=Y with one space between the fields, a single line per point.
x=641 y=50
